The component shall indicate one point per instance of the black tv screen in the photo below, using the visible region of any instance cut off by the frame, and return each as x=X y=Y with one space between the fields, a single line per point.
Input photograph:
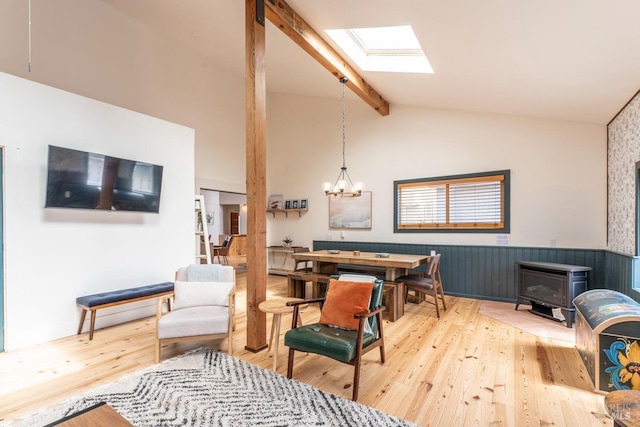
x=83 y=180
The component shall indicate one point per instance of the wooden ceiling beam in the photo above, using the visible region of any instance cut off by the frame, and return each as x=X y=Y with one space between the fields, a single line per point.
x=289 y=22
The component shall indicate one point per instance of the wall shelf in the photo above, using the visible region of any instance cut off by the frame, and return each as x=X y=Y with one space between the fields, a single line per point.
x=286 y=211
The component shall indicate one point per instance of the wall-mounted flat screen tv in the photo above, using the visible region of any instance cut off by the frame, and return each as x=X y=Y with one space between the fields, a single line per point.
x=83 y=180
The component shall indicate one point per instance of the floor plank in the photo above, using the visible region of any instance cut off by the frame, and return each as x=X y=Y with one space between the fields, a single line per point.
x=463 y=369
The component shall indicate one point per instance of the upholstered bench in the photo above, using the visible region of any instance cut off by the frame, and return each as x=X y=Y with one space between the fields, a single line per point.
x=123 y=296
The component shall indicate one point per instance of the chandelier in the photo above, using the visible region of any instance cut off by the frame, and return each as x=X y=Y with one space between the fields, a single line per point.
x=343 y=186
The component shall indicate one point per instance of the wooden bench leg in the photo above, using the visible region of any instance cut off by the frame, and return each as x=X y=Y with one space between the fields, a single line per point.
x=82 y=316
x=399 y=292
x=390 y=304
x=93 y=324
x=319 y=288
x=301 y=289
x=290 y=291
x=296 y=287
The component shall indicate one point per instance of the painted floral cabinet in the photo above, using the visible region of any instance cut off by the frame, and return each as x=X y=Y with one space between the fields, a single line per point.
x=607 y=338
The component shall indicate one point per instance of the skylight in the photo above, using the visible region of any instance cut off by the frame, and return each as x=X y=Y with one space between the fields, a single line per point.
x=390 y=49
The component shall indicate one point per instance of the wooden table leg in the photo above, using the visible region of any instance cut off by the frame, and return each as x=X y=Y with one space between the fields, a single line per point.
x=392 y=273
x=276 y=322
x=277 y=307
x=273 y=328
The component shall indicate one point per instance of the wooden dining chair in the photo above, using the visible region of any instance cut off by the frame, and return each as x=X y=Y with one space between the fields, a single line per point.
x=429 y=283
x=302 y=265
x=223 y=251
x=301 y=275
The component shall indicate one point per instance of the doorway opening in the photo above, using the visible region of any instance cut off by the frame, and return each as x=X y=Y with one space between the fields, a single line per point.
x=226 y=215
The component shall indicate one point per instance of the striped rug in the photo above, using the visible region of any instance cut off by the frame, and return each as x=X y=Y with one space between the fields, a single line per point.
x=209 y=388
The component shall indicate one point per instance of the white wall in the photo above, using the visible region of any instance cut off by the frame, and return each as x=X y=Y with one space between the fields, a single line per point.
x=92 y=49
x=212 y=206
x=53 y=256
x=558 y=169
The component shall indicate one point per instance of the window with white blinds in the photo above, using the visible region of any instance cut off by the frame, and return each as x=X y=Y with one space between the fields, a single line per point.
x=474 y=202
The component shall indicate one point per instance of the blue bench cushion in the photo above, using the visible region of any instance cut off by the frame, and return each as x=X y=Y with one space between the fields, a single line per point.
x=124 y=294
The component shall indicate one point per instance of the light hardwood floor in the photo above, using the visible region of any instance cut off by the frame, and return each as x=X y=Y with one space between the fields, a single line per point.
x=465 y=369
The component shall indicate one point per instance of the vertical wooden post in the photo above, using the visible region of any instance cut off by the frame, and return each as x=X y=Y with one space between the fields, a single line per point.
x=256 y=118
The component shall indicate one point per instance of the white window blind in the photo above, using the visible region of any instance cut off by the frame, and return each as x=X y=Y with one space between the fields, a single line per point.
x=472 y=202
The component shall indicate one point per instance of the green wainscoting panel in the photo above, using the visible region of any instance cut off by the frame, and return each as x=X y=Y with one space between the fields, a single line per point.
x=622 y=273
x=489 y=272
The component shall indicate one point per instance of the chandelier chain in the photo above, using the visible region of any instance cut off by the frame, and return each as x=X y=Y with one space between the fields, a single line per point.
x=29 y=47
x=344 y=113
x=343 y=186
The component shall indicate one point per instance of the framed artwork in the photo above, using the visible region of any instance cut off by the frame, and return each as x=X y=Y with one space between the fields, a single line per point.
x=210 y=218
x=276 y=202
x=294 y=204
x=303 y=204
x=287 y=204
x=350 y=212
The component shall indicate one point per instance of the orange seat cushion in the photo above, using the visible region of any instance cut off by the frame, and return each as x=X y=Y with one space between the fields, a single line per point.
x=344 y=299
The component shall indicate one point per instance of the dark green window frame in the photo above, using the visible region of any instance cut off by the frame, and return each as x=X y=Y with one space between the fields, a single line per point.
x=470 y=203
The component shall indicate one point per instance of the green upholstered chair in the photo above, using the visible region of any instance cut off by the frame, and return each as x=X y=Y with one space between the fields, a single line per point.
x=346 y=346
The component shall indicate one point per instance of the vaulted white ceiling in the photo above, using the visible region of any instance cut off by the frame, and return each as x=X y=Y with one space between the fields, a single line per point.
x=573 y=60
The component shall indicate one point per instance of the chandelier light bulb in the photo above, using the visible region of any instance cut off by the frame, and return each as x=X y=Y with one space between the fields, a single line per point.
x=326 y=186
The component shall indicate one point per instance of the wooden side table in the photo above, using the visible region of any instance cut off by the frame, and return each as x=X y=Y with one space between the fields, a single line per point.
x=276 y=307
x=624 y=407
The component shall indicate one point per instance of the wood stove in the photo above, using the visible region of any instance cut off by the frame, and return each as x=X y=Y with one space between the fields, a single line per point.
x=548 y=286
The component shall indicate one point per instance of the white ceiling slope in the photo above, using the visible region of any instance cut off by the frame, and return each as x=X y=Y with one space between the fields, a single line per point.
x=575 y=60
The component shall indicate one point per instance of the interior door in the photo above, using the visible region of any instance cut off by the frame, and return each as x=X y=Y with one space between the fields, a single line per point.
x=234 y=222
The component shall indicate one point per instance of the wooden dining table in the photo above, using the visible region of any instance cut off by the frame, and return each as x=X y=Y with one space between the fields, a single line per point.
x=395 y=265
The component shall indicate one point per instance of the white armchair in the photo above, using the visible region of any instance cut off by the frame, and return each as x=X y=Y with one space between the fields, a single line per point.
x=203 y=306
